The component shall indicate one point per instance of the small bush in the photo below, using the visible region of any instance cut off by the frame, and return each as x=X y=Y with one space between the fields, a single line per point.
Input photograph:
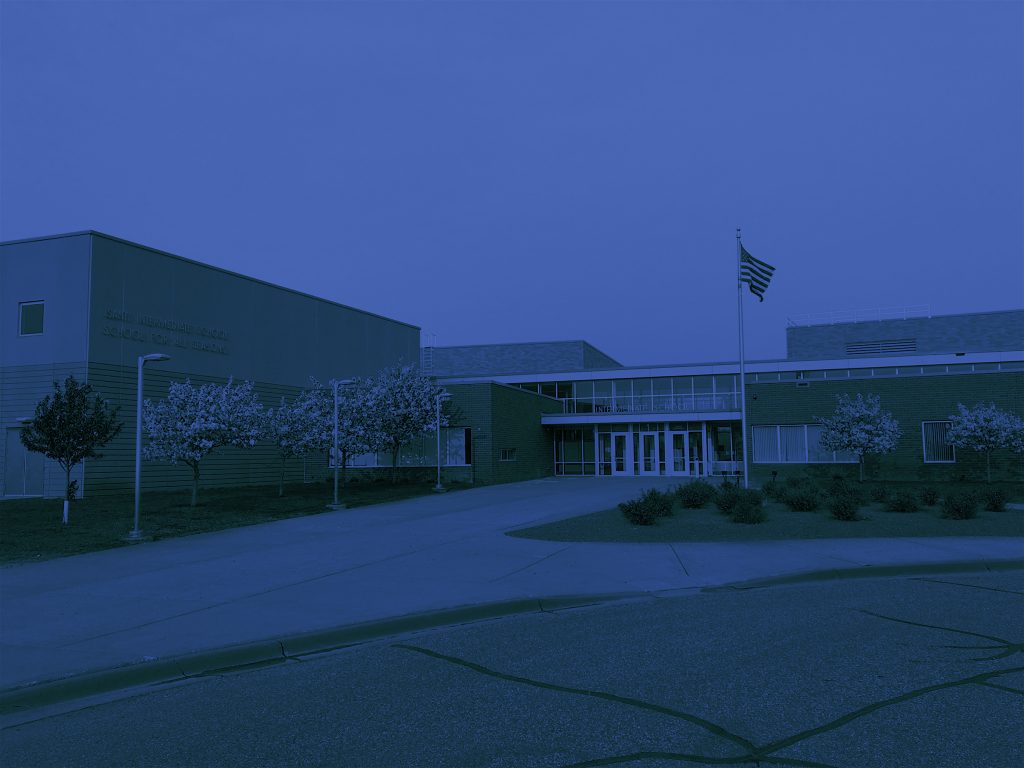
x=802 y=499
x=995 y=500
x=771 y=490
x=844 y=507
x=695 y=494
x=879 y=493
x=929 y=497
x=659 y=504
x=636 y=512
x=959 y=506
x=727 y=498
x=748 y=508
x=902 y=501
x=651 y=505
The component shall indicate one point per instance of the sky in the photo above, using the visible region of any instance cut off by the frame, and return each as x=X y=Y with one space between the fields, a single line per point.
x=531 y=171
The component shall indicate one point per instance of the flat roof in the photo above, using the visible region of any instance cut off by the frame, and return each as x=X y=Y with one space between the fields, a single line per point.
x=94 y=233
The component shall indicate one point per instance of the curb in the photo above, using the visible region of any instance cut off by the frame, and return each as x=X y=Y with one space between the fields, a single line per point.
x=873 y=572
x=266 y=653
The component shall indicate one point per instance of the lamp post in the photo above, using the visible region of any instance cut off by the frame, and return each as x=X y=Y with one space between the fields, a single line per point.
x=135 y=534
x=337 y=456
x=437 y=403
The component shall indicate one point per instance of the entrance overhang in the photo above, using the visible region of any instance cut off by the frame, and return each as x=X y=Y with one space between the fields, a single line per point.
x=569 y=419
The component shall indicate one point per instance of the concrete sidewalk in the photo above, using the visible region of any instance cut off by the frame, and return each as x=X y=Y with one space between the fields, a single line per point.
x=157 y=600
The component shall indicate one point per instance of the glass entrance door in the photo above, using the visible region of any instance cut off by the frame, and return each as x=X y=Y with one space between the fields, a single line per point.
x=649 y=457
x=677 y=464
x=622 y=453
x=695 y=443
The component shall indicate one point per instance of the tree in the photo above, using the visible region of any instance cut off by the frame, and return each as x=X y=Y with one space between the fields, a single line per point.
x=860 y=427
x=297 y=428
x=354 y=423
x=68 y=427
x=983 y=428
x=193 y=421
x=400 y=406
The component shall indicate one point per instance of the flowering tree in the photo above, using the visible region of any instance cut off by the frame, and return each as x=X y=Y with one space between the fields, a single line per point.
x=353 y=421
x=193 y=421
x=860 y=427
x=68 y=427
x=401 y=404
x=984 y=428
x=299 y=427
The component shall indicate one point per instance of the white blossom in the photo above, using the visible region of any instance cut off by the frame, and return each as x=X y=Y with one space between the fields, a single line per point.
x=193 y=421
x=401 y=405
x=985 y=428
x=859 y=427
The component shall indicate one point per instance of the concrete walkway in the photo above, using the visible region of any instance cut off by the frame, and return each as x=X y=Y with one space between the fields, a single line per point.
x=157 y=600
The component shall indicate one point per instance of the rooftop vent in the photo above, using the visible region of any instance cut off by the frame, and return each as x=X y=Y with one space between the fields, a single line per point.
x=886 y=347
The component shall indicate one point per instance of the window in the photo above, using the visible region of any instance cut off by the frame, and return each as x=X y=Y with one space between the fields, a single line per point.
x=933 y=440
x=30 y=315
x=794 y=444
x=508 y=454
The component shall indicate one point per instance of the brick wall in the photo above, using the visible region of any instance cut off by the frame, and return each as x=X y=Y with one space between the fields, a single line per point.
x=911 y=400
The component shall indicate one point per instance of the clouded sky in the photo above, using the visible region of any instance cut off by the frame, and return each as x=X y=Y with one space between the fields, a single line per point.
x=521 y=171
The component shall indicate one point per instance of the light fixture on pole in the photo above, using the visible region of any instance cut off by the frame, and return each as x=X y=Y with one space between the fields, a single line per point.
x=156 y=357
x=437 y=402
x=337 y=456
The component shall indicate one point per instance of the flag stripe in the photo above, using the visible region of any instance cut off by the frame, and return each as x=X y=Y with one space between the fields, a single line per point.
x=755 y=273
x=745 y=256
x=747 y=269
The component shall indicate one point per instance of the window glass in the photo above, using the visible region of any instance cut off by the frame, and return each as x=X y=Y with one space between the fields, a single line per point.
x=725 y=383
x=787 y=375
x=979 y=367
x=623 y=387
x=31 y=318
x=766 y=377
x=641 y=386
x=584 y=389
x=563 y=389
x=548 y=388
x=959 y=368
x=766 y=444
x=682 y=385
x=455 y=441
x=936 y=448
x=815 y=453
x=860 y=372
x=839 y=373
x=792 y=447
x=1013 y=365
x=881 y=372
x=662 y=386
x=603 y=388
x=702 y=384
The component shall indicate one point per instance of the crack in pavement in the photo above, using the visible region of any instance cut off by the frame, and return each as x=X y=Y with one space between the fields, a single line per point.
x=1002 y=687
x=972 y=586
x=530 y=565
x=672 y=547
x=1009 y=648
x=753 y=753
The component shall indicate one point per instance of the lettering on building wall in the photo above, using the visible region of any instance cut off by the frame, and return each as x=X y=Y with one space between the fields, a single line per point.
x=165 y=332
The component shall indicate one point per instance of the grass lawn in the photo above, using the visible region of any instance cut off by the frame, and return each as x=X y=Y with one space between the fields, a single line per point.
x=31 y=529
x=708 y=524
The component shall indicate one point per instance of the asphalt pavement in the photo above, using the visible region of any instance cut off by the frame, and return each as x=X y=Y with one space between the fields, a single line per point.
x=250 y=593
x=908 y=671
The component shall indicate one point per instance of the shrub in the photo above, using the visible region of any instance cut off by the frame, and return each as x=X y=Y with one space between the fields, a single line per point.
x=929 y=497
x=727 y=498
x=959 y=506
x=659 y=504
x=902 y=501
x=771 y=490
x=636 y=512
x=748 y=506
x=844 y=507
x=651 y=505
x=695 y=494
x=879 y=493
x=995 y=500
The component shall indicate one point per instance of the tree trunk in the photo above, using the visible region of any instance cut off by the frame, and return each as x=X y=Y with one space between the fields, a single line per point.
x=988 y=466
x=280 y=485
x=344 y=466
x=860 y=466
x=394 y=464
x=67 y=483
x=195 y=483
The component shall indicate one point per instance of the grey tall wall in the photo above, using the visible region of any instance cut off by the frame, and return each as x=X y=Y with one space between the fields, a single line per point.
x=976 y=332
x=113 y=301
x=527 y=357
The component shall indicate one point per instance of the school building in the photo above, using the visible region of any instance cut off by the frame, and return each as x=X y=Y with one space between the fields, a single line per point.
x=89 y=304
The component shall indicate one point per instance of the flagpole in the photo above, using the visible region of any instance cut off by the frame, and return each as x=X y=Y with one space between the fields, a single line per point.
x=743 y=378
